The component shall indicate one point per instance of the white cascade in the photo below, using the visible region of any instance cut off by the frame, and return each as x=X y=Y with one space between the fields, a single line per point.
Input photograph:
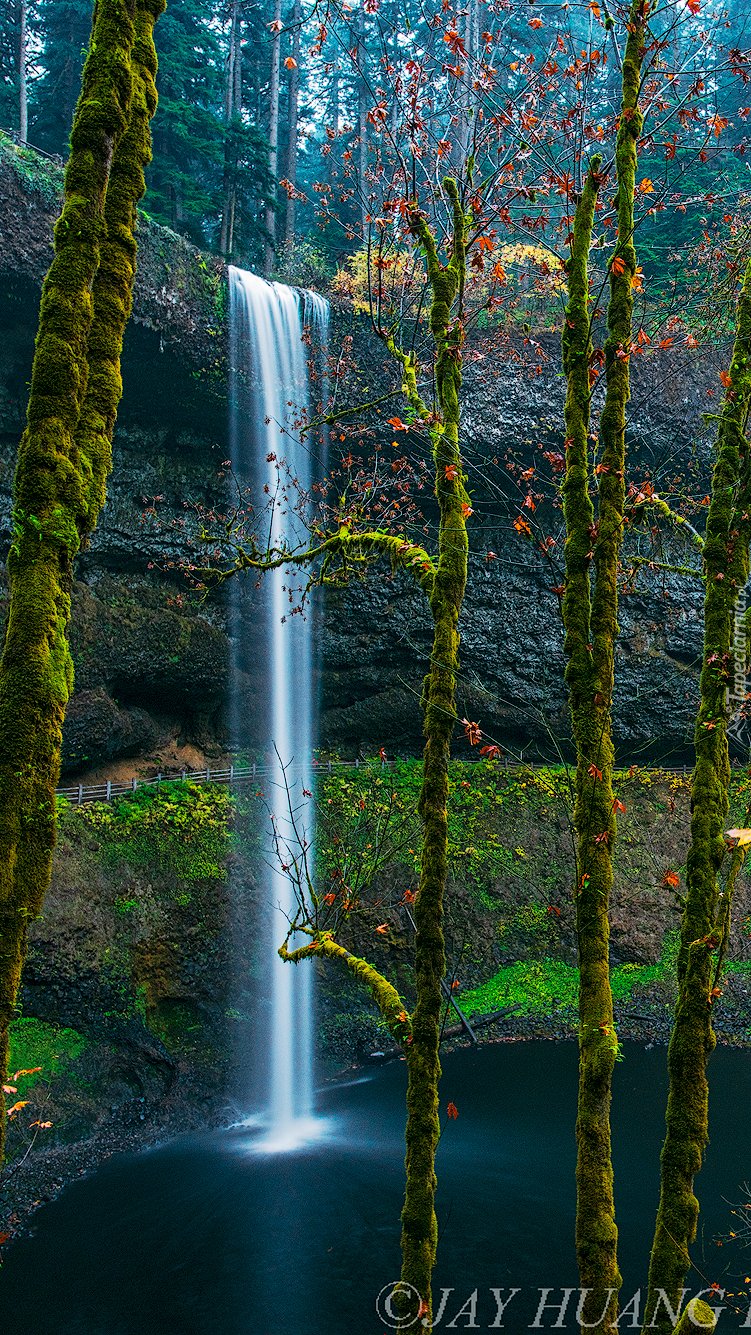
x=269 y=382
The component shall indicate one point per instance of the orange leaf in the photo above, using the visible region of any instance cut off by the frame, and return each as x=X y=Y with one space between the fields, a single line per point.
x=32 y=1071
x=289 y=63
x=594 y=772
x=617 y=265
x=522 y=526
x=451 y=471
x=725 y=378
x=466 y=510
x=472 y=732
x=618 y=806
x=646 y=186
x=384 y=927
x=453 y=1111
x=397 y=424
x=535 y=23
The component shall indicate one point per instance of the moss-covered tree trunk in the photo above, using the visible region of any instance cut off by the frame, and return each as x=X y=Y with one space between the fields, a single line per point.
x=64 y=455
x=590 y=618
x=726 y=569
x=419 y=1228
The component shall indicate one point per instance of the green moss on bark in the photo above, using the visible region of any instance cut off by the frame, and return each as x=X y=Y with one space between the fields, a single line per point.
x=726 y=563
x=63 y=461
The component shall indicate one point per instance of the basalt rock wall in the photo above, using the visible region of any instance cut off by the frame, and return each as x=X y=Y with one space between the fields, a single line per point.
x=152 y=665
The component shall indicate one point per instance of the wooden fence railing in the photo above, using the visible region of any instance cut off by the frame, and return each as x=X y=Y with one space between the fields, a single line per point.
x=80 y=793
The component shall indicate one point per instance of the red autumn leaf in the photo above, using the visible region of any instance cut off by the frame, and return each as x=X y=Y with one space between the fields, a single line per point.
x=594 y=772
x=556 y=460
x=522 y=526
x=329 y=898
x=617 y=265
x=725 y=378
x=558 y=588
x=472 y=732
x=466 y=510
x=601 y=838
x=289 y=63
x=382 y=753
x=535 y=23
x=618 y=806
x=492 y=752
x=451 y=472
x=384 y=927
x=553 y=909
x=453 y=1111
x=397 y=424
x=33 y=1070
x=666 y=343
x=670 y=880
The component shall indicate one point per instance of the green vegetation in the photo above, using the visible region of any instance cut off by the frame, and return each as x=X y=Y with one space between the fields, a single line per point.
x=34 y=1043
x=536 y=987
x=182 y=828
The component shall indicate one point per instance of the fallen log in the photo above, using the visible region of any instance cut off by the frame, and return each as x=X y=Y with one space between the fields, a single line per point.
x=453 y=1031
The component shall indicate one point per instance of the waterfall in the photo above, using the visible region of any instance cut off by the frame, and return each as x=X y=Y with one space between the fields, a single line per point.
x=268 y=389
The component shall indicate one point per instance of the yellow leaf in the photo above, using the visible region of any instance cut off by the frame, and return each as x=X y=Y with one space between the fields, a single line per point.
x=737 y=838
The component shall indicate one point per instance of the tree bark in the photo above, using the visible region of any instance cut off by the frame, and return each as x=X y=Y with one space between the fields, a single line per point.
x=64 y=455
x=726 y=557
x=590 y=619
x=23 y=115
x=362 y=121
x=294 y=98
x=273 y=140
x=232 y=104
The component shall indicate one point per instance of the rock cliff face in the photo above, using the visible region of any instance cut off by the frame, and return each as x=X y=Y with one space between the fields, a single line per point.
x=153 y=669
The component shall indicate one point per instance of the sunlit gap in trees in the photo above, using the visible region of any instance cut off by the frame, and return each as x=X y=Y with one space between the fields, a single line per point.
x=269 y=326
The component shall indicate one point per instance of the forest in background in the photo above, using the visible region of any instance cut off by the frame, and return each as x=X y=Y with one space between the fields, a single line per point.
x=272 y=120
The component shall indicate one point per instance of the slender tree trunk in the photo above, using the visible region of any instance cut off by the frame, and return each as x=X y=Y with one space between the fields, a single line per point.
x=273 y=139
x=232 y=103
x=64 y=455
x=590 y=620
x=23 y=116
x=294 y=97
x=726 y=557
x=362 y=120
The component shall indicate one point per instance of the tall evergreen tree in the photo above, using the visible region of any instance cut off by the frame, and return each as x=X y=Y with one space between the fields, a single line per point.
x=64 y=29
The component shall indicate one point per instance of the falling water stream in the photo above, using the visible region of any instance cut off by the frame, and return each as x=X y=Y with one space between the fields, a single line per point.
x=268 y=391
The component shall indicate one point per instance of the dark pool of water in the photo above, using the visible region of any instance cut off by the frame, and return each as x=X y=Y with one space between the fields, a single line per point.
x=206 y=1237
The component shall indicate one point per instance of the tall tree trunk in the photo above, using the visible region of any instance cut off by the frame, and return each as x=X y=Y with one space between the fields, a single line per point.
x=590 y=619
x=362 y=120
x=232 y=104
x=64 y=456
x=726 y=558
x=273 y=138
x=294 y=97
x=23 y=115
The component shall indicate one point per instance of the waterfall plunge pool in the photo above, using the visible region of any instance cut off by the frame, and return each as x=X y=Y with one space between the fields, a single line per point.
x=207 y=1236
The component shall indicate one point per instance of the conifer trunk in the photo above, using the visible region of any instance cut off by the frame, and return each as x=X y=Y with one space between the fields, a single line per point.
x=64 y=455
x=726 y=569
x=294 y=98
x=276 y=48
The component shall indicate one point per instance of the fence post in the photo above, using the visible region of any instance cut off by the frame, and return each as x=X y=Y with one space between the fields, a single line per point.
x=109 y=790
x=329 y=766
x=254 y=771
x=80 y=794
x=135 y=783
x=208 y=774
x=231 y=773
x=159 y=780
